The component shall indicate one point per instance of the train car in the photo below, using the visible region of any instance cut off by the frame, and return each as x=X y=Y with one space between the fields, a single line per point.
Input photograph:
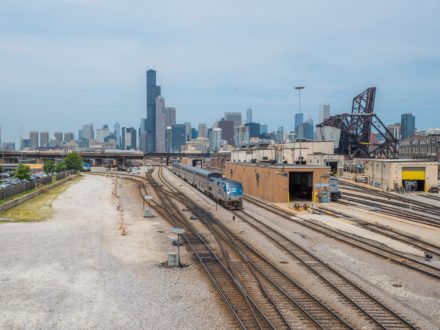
x=335 y=193
x=226 y=192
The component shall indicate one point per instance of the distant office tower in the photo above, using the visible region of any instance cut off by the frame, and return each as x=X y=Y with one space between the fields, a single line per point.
x=143 y=135
x=128 y=138
x=394 y=130
x=263 y=129
x=227 y=130
x=194 y=133
x=33 y=136
x=407 y=125
x=58 y=136
x=117 y=133
x=44 y=139
x=160 y=124
x=102 y=133
x=235 y=117
x=25 y=144
x=178 y=136
x=299 y=119
x=241 y=135
x=203 y=130
x=188 y=131
x=249 y=115
x=170 y=116
x=153 y=91
x=306 y=130
x=168 y=139
x=215 y=139
x=324 y=112
x=88 y=132
x=254 y=129
x=8 y=146
x=68 y=136
x=279 y=135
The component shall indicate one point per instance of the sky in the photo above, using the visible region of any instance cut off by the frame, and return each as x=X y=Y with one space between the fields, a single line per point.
x=70 y=62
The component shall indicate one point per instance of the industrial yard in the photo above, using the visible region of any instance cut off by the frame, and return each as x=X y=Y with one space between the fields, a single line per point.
x=361 y=262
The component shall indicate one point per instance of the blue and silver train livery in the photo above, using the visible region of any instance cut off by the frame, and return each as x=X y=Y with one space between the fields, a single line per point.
x=226 y=192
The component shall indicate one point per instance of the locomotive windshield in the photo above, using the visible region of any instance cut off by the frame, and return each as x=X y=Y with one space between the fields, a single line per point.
x=234 y=188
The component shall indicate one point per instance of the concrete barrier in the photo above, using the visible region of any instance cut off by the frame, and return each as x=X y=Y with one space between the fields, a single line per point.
x=18 y=201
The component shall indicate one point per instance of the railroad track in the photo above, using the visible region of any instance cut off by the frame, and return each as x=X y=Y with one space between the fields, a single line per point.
x=298 y=307
x=386 y=231
x=349 y=294
x=356 y=241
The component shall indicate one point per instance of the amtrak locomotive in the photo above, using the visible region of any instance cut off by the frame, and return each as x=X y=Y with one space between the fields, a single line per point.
x=226 y=192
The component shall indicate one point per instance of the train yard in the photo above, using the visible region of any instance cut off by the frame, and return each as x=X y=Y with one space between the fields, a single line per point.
x=291 y=286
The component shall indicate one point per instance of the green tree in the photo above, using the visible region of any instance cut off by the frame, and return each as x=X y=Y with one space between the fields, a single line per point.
x=23 y=172
x=73 y=161
x=49 y=166
x=59 y=167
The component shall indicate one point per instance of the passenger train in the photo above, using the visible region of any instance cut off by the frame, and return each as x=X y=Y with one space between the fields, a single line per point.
x=226 y=192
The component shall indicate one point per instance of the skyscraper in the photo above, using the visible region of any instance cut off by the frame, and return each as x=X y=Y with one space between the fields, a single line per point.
x=254 y=129
x=324 y=112
x=68 y=136
x=33 y=136
x=58 y=138
x=299 y=119
x=407 y=125
x=203 y=130
x=160 y=124
x=44 y=139
x=249 y=116
x=153 y=91
x=88 y=132
x=227 y=130
x=187 y=131
x=215 y=139
x=117 y=132
x=178 y=137
x=170 y=116
x=128 y=138
x=235 y=117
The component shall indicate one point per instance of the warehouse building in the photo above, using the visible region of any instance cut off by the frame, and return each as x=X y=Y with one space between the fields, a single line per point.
x=281 y=183
x=402 y=174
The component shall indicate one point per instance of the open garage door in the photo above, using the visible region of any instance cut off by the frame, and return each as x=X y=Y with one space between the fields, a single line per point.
x=413 y=178
x=300 y=185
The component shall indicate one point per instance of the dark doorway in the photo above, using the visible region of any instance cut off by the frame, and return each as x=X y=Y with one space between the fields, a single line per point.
x=300 y=185
x=333 y=166
x=414 y=185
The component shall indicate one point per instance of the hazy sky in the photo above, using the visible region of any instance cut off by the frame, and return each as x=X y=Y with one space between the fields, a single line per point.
x=66 y=63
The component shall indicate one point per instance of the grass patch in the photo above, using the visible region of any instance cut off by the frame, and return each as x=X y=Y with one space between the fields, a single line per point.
x=38 y=208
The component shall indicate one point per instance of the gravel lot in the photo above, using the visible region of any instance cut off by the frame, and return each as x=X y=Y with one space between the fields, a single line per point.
x=76 y=270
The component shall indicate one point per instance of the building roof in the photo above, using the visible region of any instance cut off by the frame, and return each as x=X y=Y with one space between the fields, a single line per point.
x=280 y=166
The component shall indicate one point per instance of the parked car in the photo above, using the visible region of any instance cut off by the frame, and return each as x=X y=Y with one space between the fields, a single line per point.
x=433 y=190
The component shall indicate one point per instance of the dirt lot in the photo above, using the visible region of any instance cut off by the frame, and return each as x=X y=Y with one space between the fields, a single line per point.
x=76 y=270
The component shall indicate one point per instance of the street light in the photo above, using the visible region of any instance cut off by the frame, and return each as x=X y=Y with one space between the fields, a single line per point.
x=299 y=88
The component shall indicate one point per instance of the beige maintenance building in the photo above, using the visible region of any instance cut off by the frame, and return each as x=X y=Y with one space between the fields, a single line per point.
x=395 y=174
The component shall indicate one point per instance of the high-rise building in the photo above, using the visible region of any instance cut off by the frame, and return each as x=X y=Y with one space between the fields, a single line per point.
x=324 y=112
x=88 y=132
x=143 y=135
x=306 y=130
x=203 y=130
x=188 y=131
x=8 y=146
x=249 y=116
x=178 y=136
x=194 y=133
x=44 y=139
x=254 y=129
x=299 y=119
x=241 y=135
x=235 y=117
x=227 y=130
x=263 y=129
x=68 y=136
x=394 y=130
x=407 y=125
x=153 y=91
x=160 y=124
x=102 y=133
x=170 y=116
x=58 y=136
x=215 y=139
x=128 y=138
x=33 y=136
x=117 y=133
x=168 y=139
x=25 y=144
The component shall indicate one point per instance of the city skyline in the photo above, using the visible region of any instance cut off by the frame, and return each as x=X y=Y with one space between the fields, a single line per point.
x=92 y=70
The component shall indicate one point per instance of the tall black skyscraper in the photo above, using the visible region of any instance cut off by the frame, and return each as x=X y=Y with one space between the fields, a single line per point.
x=152 y=92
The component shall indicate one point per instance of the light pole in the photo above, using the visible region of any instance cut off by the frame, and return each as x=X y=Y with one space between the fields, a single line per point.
x=299 y=88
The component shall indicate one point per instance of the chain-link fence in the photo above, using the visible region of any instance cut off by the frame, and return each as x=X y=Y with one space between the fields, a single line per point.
x=16 y=189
